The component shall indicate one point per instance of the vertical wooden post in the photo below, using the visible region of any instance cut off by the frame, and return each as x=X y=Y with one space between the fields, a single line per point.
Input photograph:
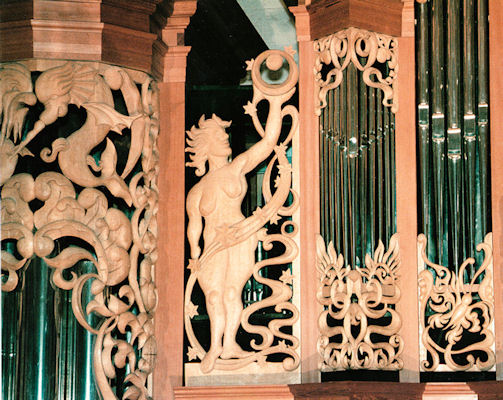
x=407 y=197
x=170 y=59
x=309 y=199
x=496 y=124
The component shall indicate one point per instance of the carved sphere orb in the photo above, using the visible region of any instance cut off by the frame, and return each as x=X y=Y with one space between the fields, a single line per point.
x=274 y=62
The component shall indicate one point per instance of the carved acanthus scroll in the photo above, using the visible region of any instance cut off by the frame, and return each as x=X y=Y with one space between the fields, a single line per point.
x=120 y=239
x=227 y=258
x=364 y=49
x=357 y=302
x=456 y=317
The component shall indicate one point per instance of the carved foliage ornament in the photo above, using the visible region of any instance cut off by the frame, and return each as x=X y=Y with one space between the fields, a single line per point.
x=356 y=303
x=122 y=249
x=456 y=317
x=374 y=54
x=227 y=259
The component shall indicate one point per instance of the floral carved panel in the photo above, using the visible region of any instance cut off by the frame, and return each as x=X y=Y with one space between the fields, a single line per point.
x=90 y=202
x=457 y=313
x=359 y=325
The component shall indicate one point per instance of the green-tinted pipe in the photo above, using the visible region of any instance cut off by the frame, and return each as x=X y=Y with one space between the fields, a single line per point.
x=454 y=131
x=38 y=354
x=393 y=172
x=331 y=189
x=422 y=33
x=352 y=129
x=483 y=113
x=363 y=167
x=380 y=167
x=438 y=127
x=387 y=179
x=84 y=385
x=372 y=169
x=11 y=310
x=336 y=178
x=469 y=122
x=322 y=176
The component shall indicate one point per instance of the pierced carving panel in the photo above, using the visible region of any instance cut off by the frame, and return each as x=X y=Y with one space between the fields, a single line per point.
x=223 y=253
x=374 y=54
x=457 y=318
x=75 y=219
x=359 y=325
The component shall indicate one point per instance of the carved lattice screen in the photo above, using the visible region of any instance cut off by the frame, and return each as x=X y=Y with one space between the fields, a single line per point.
x=79 y=164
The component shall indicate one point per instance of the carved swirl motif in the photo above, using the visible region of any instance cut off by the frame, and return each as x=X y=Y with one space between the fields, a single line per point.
x=234 y=244
x=359 y=310
x=452 y=311
x=364 y=49
x=123 y=250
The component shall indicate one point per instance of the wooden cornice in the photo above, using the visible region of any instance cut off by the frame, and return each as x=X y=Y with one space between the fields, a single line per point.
x=330 y=16
x=118 y=32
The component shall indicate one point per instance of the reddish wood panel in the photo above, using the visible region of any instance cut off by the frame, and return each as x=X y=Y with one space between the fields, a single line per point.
x=349 y=391
x=309 y=201
x=407 y=210
x=266 y=392
x=496 y=124
x=171 y=221
x=358 y=391
x=329 y=16
x=113 y=31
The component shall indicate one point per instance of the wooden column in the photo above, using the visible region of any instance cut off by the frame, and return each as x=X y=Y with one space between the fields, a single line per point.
x=406 y=196
x=496 y=124
x=309 y=199
x=169 y=65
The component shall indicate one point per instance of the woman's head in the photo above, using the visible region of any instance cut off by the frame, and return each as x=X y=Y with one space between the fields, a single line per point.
x=207 y=141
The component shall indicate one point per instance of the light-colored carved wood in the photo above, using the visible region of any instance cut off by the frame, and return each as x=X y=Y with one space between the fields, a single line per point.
x=226 y=259
x=351 y=46
x=348 y=342
x=448 y=305
x=496 y=104
x=124 y=250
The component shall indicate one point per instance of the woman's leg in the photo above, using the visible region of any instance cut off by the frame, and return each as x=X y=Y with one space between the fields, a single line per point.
x=242 y=261
x=211 y=279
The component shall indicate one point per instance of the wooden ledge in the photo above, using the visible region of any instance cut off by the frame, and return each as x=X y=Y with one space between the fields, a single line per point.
x=268 y=392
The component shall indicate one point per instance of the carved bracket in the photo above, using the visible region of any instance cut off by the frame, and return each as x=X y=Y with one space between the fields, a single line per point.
x=374 y=54
x=359 y=325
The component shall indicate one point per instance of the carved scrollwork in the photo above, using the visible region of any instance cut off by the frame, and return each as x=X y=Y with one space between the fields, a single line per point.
x=227 y=260
x=359 y=310
x=365 y=50
x=452 y=311
x=76 y=221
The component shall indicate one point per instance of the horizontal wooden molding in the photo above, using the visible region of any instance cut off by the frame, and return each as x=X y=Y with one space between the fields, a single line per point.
x=329 y=16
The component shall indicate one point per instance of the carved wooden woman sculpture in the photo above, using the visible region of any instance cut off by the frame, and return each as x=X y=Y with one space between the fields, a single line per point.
x=230 y=239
